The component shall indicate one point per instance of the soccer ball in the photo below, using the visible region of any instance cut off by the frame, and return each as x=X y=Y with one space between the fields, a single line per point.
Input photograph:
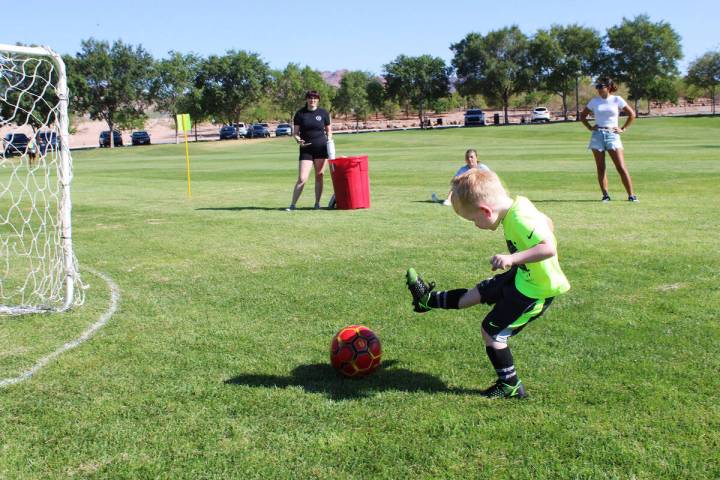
x=355 y=351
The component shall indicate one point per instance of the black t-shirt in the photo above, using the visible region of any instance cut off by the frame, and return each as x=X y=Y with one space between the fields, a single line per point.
x=312 y=125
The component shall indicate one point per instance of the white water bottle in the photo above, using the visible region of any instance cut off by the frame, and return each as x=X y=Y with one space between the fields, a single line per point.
x=331 y=149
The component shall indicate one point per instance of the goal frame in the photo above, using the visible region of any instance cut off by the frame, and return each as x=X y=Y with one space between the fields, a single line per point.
x=64 y=178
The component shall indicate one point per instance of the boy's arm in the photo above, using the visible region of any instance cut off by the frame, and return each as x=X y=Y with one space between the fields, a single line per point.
x=541 y=251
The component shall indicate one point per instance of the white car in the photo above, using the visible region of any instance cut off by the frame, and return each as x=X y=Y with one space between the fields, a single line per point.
x=540 y=114
x=283 y=129
x=474 y=118
x=241 y=129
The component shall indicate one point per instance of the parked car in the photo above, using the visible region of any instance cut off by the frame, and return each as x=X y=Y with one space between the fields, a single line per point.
x=241 y=129
x=15 y=144
x=105 y=138
x=540 y=114
x=228 y=132
x=474 y=118
x=283 y=129
x=141 y=137
x=47 y=140
x=258 y=131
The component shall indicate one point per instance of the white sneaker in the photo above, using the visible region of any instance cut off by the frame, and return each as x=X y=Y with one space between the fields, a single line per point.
x=435 y=198
x=447 y=203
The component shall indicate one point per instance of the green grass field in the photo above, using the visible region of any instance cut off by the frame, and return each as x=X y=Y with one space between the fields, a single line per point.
x=216 y=364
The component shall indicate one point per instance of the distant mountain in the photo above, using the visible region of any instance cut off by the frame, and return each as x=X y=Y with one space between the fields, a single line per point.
x=333 y=78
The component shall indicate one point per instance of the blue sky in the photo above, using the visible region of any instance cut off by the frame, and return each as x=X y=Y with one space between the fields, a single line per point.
x=330 y=35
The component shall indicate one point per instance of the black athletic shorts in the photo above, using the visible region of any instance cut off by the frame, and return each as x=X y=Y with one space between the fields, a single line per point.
x=512 y=310
x=313 y=152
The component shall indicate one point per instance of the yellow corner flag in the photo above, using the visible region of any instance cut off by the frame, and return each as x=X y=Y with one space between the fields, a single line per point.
x=185 y=125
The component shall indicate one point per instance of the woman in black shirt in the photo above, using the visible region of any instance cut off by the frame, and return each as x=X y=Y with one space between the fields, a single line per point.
x=312 y=130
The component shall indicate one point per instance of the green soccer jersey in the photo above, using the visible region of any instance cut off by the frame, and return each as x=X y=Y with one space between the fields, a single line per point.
x=524 y=227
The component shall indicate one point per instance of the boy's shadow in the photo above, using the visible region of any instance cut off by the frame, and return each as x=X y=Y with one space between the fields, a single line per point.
x=322 y=378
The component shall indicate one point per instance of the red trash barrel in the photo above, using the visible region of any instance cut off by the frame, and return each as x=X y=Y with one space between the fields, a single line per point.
x=351 y=182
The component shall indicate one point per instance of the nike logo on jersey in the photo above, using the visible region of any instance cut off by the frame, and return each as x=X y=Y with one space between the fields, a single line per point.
x=531 y=234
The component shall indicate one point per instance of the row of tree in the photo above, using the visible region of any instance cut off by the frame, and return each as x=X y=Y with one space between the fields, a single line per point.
x=118 y=83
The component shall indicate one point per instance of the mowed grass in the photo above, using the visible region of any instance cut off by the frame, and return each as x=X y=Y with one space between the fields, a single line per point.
x=216 y=364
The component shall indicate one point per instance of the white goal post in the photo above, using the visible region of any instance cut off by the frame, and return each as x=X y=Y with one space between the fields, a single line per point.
x=38 y=268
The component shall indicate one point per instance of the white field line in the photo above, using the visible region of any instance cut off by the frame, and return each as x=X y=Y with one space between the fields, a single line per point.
x=86 y=335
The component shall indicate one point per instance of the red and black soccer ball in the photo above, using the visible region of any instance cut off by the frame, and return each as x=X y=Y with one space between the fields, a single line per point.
x=355 y=351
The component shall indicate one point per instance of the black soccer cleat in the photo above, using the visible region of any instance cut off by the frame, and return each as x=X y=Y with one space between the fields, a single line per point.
x=502 y=390
x=419 y=290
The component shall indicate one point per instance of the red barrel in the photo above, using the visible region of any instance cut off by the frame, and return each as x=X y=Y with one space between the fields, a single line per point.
x=351 y=182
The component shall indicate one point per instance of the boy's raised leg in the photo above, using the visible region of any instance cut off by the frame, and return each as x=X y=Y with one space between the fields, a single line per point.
x=425 y=299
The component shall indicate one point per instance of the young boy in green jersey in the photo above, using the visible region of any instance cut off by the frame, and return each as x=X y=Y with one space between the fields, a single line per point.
x=520 y=294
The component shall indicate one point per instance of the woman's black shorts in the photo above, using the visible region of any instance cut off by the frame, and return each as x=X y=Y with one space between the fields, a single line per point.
x=313 y=152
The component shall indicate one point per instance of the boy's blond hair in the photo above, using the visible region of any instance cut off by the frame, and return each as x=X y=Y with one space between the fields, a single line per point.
x=477 y=187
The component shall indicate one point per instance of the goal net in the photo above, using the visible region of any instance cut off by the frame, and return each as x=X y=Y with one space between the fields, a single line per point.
x=38 y=269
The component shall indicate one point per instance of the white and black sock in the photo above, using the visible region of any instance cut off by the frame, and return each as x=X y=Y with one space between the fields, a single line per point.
x=502 y=360
x=448 y=299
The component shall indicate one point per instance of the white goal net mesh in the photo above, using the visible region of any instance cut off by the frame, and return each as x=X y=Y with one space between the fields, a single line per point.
x=38 y=269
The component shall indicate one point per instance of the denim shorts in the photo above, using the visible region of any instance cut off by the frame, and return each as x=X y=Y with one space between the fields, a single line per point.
x=602 y=140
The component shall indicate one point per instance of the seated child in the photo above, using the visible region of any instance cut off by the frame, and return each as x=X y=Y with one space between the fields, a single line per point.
x=471 y=161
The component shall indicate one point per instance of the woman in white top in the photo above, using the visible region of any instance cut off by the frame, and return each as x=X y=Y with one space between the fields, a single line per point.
x=606 y=134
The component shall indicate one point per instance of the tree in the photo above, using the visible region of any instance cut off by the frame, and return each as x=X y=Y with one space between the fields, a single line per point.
x=375 y=95
x=174 y=79
x=291 y=84
x=27 y=92
x=131 y=121
x=263 y=110
x=352 y=95
x=230 y=84
x=192 y=103
x=687 y=90
x=560 y=56
x=313 y=80
x=642 y=54
x=474 y=100
x=663 y=90
x=390 y=109
x=496 y=65
x=704 y=72
x=417 y=81
x=531 y=99
x=111 y=83
x=288 y=89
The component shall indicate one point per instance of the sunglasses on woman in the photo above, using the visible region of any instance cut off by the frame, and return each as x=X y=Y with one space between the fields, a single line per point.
x=600 y=86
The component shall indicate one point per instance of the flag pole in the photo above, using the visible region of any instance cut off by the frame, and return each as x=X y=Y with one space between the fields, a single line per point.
x=187 y=163
x=183 y=120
